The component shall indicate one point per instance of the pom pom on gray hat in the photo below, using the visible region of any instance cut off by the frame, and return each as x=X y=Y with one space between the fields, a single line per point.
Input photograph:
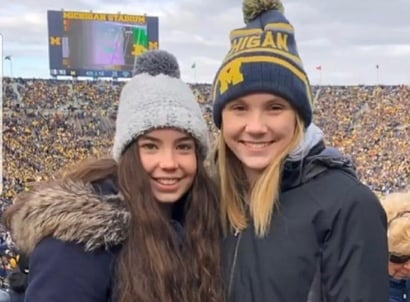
x=157 y=62
x=157 y=98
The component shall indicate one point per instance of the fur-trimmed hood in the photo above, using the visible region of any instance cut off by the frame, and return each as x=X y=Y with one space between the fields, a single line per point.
x=69 y=211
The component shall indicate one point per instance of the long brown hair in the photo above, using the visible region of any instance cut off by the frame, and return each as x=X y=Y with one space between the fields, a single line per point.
x=152 y=265
x=162 y=270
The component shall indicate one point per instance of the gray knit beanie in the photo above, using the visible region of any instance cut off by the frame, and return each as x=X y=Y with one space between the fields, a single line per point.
x=156 y=98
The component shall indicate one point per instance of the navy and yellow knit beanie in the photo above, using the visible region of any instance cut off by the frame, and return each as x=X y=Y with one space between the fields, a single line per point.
x=263 y=58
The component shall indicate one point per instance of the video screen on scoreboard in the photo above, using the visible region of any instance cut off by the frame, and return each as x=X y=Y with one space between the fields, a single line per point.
x=101 y=45
x=98 y=45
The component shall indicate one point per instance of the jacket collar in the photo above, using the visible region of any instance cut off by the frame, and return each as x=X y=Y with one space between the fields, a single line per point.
x=91 y=214
x=70 y=211
x=319 y=159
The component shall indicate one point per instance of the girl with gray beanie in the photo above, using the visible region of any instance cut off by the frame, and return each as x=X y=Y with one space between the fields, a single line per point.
x=141 y=225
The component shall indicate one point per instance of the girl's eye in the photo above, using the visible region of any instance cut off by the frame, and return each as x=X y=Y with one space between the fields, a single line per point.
x=185 y=147
x=238 y=107
x=276 y=107
x=148 y=146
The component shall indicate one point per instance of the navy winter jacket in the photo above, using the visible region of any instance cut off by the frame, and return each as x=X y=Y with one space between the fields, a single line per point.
x=72 y=233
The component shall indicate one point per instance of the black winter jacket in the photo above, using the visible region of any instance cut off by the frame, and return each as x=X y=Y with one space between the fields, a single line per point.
x=327 y=227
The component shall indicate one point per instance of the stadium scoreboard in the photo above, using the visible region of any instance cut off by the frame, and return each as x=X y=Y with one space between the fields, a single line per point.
x=98 y=44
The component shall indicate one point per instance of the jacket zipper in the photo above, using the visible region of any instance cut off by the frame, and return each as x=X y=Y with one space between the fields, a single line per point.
x=235 y=256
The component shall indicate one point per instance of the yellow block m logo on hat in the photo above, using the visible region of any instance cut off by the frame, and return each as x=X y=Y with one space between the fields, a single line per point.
x=230 y=74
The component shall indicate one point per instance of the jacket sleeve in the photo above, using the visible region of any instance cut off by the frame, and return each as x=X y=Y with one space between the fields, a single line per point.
x=355 y=254
x=64 y=272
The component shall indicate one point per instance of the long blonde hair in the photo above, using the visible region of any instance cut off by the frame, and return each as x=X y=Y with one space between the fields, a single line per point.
x=234 y=187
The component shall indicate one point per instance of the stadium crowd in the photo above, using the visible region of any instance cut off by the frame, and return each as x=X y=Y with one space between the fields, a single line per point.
x=48 y=124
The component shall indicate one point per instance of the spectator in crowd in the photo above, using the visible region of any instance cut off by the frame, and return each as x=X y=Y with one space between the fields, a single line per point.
x=23 y=263
x=18 y=284
x=300 y=226
x=4 y=266
x=14 y=285
x=142 y=226
x=397 y=207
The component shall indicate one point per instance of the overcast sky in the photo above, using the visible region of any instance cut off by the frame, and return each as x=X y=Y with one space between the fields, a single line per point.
x=347 y=38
